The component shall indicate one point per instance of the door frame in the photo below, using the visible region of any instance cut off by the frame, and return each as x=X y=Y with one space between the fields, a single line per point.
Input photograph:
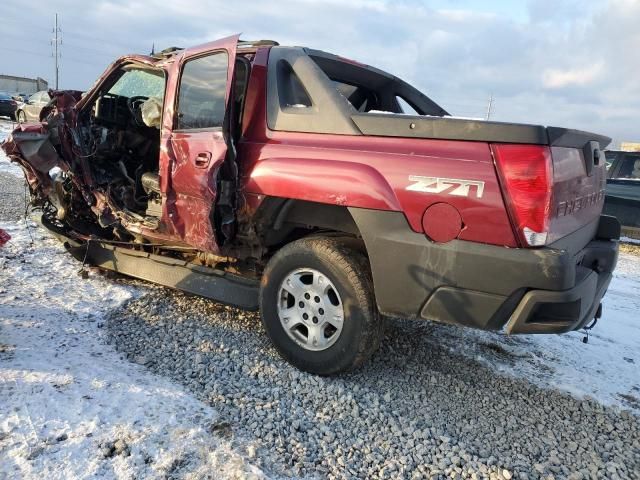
x=207 y=241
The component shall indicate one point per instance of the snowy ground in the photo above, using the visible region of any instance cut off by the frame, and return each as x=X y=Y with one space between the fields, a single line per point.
x=66 y=396
x=6 y=126
x=72 y=407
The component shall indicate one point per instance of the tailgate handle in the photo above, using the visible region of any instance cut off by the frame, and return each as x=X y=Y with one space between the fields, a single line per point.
x=591 y=153
x=203 y=159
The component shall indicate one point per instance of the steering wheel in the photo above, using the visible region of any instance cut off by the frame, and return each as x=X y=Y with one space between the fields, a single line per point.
x=133 y=104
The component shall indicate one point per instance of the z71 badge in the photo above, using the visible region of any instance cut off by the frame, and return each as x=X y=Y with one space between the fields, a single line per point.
x=450 y=186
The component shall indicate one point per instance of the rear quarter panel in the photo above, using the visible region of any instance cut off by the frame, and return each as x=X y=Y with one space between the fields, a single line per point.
x=373 y=172
x=366 y=171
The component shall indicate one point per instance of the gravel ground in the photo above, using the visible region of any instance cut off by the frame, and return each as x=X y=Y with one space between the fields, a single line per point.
x=12 y=197
x=416 y=410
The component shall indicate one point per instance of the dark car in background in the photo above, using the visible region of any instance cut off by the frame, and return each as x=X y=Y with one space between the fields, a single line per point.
x=7 y=106
x=623 y=189
x=30 y=111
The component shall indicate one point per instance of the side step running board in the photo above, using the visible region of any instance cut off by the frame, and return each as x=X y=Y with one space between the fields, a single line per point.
x=170 y=272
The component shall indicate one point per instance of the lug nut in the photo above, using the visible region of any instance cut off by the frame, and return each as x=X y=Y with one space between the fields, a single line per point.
x=307 y=296
x=315 y=319
x=301 y=304
x=305 y=316
x=321 y=311
x=317 y=299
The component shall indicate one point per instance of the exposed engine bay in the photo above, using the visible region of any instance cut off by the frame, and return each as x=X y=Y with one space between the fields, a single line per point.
x=122 y=146
x=93 y=169
x=116 y=141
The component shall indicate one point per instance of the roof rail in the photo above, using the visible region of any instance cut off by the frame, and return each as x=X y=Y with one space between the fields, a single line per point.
x=257 y=43
x=167 y=52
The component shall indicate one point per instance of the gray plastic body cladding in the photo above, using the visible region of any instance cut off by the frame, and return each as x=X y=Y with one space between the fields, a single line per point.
x=474 y=284
x=330 y=112
x=451 y=128
x=203 y=281
x=585 y=299
x=446 y=128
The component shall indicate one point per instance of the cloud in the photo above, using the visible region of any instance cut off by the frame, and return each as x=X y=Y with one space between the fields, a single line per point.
x=580 y=76
x=561 y=62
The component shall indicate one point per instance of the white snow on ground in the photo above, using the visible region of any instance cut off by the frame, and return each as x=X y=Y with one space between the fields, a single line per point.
x=607 y=368
x=633 y=241
x=64 y=393
x=6 y=127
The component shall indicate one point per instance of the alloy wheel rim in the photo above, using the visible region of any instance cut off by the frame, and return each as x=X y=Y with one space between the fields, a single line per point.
x=310 y=309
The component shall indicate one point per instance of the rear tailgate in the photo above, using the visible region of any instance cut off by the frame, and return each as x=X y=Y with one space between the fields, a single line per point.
x=579 y=179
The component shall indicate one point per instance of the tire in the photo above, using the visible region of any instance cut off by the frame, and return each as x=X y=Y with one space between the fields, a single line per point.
x=21 y=117
x=337 y=262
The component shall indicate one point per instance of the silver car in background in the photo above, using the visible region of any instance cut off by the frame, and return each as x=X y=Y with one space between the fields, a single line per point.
x=30 y=111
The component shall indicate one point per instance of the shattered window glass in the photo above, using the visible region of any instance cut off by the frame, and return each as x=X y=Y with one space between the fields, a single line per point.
x=139 y=83
x=202 y=92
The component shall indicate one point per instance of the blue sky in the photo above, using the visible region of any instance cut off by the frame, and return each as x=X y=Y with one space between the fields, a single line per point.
x=555 y=62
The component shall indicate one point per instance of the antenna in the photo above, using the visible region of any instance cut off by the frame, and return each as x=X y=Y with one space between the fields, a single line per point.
x=56 y=42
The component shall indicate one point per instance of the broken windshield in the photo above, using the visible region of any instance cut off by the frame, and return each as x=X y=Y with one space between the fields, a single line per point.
x=139 y=83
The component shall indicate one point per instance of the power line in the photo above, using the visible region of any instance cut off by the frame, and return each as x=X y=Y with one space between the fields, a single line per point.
x=57 y=48
x=489 y=106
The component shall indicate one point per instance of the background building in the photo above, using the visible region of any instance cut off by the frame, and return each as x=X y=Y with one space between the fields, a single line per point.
x=630 y=146
x=11 y=84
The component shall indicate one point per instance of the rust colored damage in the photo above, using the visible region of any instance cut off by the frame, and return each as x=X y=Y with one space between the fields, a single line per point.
x=4 y=237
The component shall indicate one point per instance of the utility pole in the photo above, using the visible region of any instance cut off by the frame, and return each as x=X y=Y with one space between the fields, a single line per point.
x=56 y=41
x=489 y=106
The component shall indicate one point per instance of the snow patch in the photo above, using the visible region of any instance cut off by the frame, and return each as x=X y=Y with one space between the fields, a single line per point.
x=633 y=241
x=6 y=127
x=72 y=407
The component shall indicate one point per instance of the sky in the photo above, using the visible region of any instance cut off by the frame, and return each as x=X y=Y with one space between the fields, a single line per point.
x=565 y=63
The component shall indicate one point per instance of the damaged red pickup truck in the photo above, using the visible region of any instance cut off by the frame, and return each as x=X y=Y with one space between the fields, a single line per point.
x=324 y=192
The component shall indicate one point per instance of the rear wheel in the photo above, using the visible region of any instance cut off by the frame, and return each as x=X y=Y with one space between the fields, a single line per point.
x=21 y=117
x=318 y=307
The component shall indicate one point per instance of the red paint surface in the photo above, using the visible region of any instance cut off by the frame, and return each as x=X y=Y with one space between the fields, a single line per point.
x=4 y=237
x=367 y=172
x=442 y=222
x=571 y=187
x=189 y=187
x=347 y=170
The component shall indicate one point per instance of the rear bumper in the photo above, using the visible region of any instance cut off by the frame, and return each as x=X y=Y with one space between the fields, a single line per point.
x=548 y=290
x=548 y=311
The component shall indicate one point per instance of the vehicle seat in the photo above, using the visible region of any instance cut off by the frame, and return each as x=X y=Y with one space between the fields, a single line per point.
x=150 y=182
x=636 y=169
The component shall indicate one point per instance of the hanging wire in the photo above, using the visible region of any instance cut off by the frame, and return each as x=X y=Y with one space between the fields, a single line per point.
x=26 y=212
x=83 y=271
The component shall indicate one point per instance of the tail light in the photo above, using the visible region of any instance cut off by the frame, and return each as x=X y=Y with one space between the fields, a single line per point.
x=526 y=176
